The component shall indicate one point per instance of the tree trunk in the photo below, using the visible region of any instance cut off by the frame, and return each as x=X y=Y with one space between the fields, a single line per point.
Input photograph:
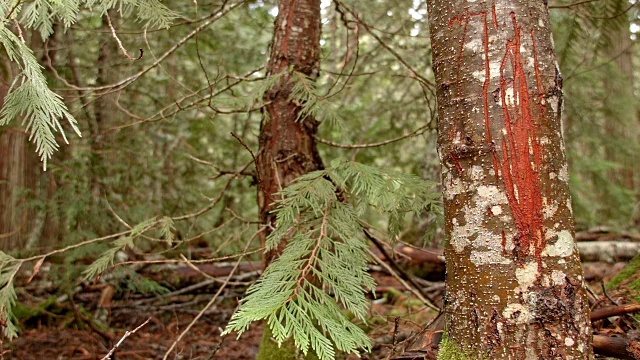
x=287 y=148
x=621 y=120
x=514 y=282
x=18 y=168
x=104 y=109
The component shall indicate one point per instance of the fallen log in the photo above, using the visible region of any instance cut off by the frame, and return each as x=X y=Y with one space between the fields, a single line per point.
x=616 y=347
x=596 y=235
x=608 y=251
x=192 y=273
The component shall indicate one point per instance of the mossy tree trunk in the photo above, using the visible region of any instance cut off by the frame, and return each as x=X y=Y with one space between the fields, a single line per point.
x=287 y=148
x=514 y=282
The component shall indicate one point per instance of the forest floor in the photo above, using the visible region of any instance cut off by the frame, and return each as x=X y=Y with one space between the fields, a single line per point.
x=91 y=320
x=53 y=330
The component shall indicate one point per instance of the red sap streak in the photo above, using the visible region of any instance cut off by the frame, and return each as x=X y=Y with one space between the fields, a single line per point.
x=493 y=14
x=465 y=18
x=521 y=151
x=504 y=243
x=455 y=161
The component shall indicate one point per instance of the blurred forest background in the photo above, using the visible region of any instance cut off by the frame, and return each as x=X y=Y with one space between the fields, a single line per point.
x=157 y=108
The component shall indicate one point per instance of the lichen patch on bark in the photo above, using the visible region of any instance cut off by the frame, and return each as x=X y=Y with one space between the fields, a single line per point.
x=563 y=247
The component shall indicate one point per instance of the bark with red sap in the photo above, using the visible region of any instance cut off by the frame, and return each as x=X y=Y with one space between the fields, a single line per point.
x=514 y=282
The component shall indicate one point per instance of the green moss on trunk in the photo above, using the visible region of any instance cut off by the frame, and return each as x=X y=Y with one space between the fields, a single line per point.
x=269 y=349
x=450 y=350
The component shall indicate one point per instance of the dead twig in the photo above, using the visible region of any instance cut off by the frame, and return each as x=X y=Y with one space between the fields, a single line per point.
x=126 y=335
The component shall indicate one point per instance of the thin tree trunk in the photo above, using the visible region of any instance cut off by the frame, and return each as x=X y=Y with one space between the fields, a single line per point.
x=514 y=282
x=18 y=168
x=287 y=148
x=104 y=109
x=622 y=122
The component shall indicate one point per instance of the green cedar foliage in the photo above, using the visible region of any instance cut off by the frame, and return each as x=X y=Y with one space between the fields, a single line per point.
x=8 y=269
x=29 y=95
x=108 y=257
x=324 y=265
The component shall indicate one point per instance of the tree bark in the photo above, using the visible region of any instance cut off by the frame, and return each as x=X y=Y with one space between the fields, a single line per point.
x=287 y=148
x=18 y=168
x=514 y=282
x=104 y=110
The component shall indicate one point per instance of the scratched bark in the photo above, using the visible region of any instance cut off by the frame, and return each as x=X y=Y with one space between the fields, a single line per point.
x=514 y=282
x=287 y=148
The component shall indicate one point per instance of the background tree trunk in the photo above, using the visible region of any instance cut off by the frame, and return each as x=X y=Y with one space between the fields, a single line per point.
x=514 y=282
x=19 y=171
x=620 y=107
x=287 y=148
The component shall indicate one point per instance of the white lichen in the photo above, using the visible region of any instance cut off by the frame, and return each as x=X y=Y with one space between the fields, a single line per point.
x=558 y=277
x=452 y=187
x=563 y=247
x=475 y=44
x=563 y=174
x=488 y=257
x=548 y=210
x=491 y=193
x=516 y=313
x=526 y=276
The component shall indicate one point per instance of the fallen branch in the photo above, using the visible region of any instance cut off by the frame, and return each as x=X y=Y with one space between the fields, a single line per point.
x=616 y=347
x=609 y=311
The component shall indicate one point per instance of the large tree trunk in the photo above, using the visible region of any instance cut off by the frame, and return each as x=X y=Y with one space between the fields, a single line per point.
x=514 y=283
x=287 y=148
